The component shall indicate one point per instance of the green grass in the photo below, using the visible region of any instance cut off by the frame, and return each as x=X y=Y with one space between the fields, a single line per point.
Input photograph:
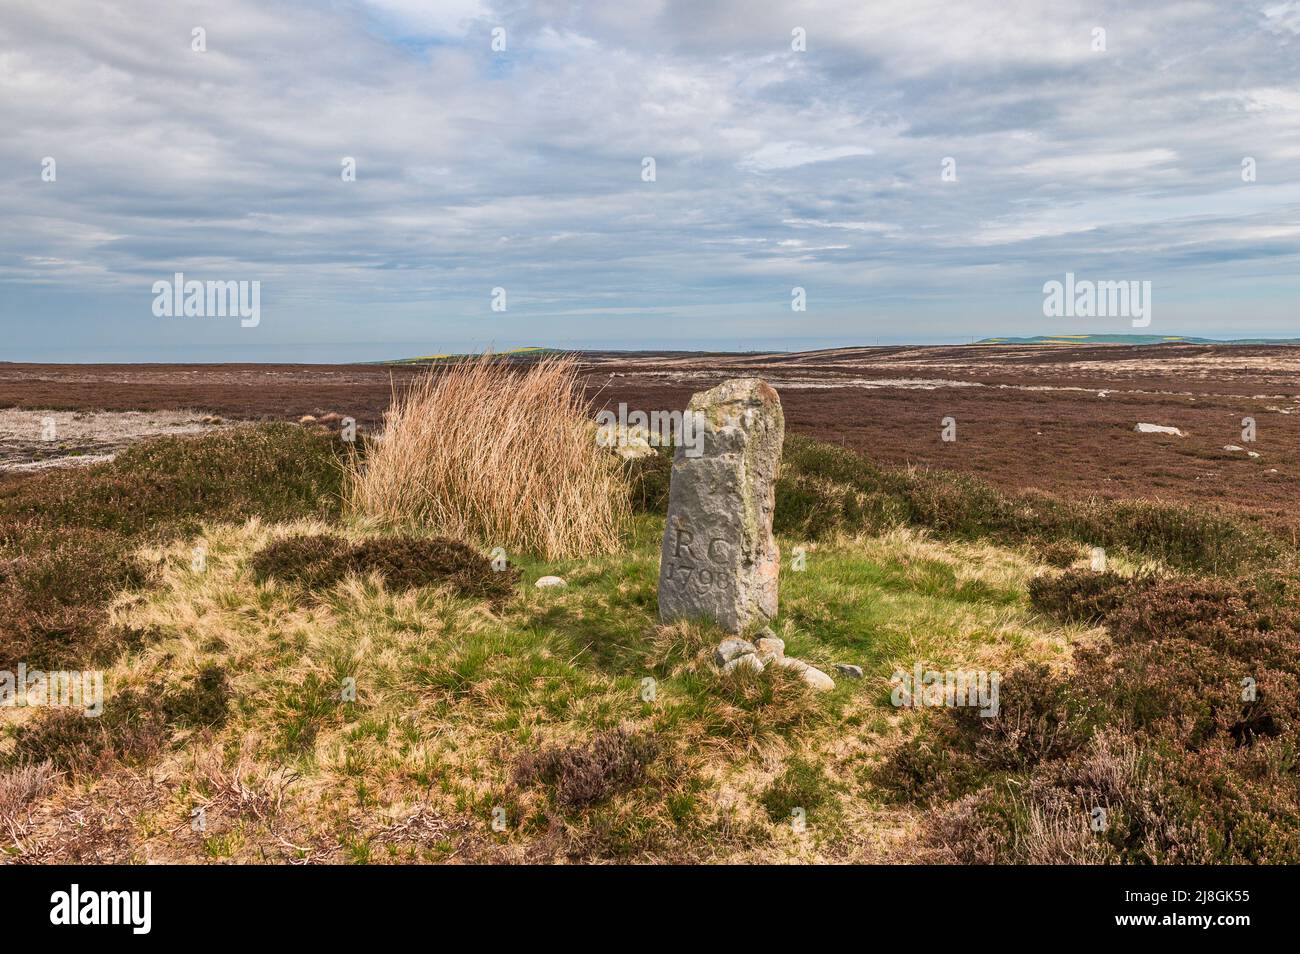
x=230 y=672
x=451 y=695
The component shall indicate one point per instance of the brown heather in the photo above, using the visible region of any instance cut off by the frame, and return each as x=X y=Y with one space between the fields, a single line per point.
x=1151 y=725
x=318 y=561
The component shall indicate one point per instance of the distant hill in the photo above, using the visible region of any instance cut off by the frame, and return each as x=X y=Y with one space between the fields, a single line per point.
x=1137 y=340
x=428 y=358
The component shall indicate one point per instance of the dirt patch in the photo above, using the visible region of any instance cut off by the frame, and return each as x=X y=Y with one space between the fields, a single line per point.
x=39 y=439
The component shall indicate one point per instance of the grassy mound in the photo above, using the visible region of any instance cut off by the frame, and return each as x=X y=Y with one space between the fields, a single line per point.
x=425 y=713
x=390 y=717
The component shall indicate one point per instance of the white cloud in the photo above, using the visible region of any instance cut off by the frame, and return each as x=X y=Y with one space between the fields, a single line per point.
x=430 y=18
x=788 y=155
x=524 y=168
x=1283 y=17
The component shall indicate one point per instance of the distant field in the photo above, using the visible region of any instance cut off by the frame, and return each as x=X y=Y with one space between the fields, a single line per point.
x=1137 y=340
x=1058 y=418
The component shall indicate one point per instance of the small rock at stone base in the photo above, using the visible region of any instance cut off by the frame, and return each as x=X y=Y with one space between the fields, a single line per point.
x=548 y=581
x=731 y=649
x=769 y=647
x=817 y=679
x=853 y=672
x=814 y=677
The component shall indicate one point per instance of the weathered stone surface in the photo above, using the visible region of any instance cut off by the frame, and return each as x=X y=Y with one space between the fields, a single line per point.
x=851 y=671
x=817 y=679
x=809 y=674
x=769 y=647
x=719 y=560
x=1158 y=429
x=548 y=581
x=730 y=649
x=628 y=442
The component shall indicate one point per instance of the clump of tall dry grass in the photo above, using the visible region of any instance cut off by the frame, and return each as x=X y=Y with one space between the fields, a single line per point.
x=501 y=456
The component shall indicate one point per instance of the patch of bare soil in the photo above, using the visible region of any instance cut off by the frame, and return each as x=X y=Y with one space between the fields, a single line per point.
x=37 y=439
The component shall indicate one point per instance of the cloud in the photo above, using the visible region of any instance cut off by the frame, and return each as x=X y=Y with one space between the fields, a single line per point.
x=1283 y=17
x=789 y=155
x=523 y=168
x=420 y=18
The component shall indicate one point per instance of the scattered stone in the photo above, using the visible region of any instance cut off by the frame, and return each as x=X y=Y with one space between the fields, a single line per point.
x=730 y=649
x=814 y=677
x=307 y=419
x=1158 y=429
x=845 y=669
x=719 y=559
x=549 y=581
x=1232 y=447
x=769 y=647
x=817 y=679
x=1252 y=453
x=747 y=661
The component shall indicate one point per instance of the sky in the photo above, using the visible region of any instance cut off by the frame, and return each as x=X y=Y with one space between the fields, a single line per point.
x=920 y=170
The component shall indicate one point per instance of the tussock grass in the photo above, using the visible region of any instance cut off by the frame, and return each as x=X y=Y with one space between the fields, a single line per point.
x=486 y=452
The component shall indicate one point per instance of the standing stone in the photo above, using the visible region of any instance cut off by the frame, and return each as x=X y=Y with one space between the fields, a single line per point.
x=719 y=559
